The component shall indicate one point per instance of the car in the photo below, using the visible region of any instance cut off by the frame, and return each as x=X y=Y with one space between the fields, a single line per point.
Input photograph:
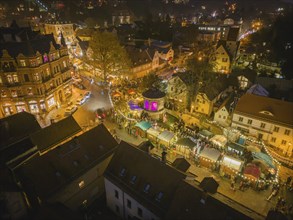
x=80 y=101
x=70 y=110
x=101 y=113
x=87 y=95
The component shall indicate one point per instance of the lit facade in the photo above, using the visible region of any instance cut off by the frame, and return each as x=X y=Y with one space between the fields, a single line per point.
x=272 y=124
x=221 y=60
x=34 y=83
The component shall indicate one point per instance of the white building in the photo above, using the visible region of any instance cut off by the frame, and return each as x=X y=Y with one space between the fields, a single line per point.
x=265 y=118
x=141 y=187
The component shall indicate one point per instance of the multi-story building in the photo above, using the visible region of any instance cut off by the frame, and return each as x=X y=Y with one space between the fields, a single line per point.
x=60 y=28
x=268 y=119
x=35 y=74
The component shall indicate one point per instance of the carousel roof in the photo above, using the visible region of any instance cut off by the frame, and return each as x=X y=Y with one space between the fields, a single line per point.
x=252 y=170
x=264 y=157
x=154 y=93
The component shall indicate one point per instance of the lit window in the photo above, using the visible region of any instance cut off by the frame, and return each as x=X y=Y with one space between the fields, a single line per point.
x=287 y=132
x=133 y=179
x=81 y=184
x=22 y=63
x=30 y=91
x=9 y=78
x=123 y=172
x=15 y=78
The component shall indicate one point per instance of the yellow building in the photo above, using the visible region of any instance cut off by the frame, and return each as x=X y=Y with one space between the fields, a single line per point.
x=35 y=75
x=56 y=28
x=221 y=60
x=265 y=118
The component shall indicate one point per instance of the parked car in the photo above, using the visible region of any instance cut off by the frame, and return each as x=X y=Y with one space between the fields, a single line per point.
x=70 y=110
x=101 y=113
x=80 y=101
x=87 y=95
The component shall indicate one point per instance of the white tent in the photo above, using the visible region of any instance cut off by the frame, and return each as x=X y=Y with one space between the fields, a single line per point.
x=219 y=140
x=165 y=137
x=232 y=163
x=210 y=153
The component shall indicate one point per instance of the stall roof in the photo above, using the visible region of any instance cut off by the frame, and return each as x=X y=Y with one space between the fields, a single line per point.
x=219 y=139
x=153 y=132
x=206 y=133
x=166 y=136
x=236 y=146
x=252 y=170
x=232 y=163
x=143 y=125
x=187 y=142
x=210 y=153
x=264 y=157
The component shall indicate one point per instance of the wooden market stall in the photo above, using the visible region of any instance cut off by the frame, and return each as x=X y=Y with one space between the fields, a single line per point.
x=185 y=146
x=165 y=138
x=230 y=166
x=142 y=127
x=208 y=157
x=152 y=134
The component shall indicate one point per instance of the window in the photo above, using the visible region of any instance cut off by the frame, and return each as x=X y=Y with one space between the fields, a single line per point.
x=128 y=204
x=30 y=91
x=3 y=93
x=273 y=139
x=116 y=194
x=284 y=142
x=249 y=121
x=276 y=129
x=133 y=179
x=81 y=184
x=9 y=79
x=36 y=77
x=224 y=117
x=13 y=93
x=22 y=63
x=123 y=172
x=15 y=78
x=159 y=196
x=240 y=119
x=224 y=59
x=287 y=132
x=139 y=212
x=26 y=78
x=147 y=188
x=262 y=125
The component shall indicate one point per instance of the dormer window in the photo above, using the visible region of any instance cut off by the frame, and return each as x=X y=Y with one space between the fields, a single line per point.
x=123 y=172
x=266 y=113
x=22 y=63
x=133 y=179
x=147 y=188
x=45 y=58
x=159 y=196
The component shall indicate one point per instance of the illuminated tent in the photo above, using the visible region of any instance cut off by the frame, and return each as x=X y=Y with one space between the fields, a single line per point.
x=211 y=154
x=252 y=171
x=232 y=163
x=186 y=142
x=219 y=140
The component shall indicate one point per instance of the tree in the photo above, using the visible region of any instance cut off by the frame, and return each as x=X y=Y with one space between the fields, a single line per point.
x=201 y=75
x=108 y=55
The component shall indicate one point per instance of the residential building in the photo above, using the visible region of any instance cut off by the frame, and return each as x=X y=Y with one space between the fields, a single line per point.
x=58 y=28
x=144 y=61
x=35 y=74
x=268 y=119
x=178 y=91
x=223 y=29
x=70 y=174
x=224 y=112
x=221 y=59
x=15 y=143
x=142 y=187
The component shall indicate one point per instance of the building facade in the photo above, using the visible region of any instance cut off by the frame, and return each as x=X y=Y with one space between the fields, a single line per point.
x=35 y=75
x=267 y=119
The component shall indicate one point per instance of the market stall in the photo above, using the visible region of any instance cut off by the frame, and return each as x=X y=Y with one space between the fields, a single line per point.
x=265 y=162
x=185 y=145
x=152 y=134
x=230 y=166
x=142 y=127
x=205 y=134
x=208 y=157
x=251 y=172
x=165 y=138
x=219 y=140
x=235 y=148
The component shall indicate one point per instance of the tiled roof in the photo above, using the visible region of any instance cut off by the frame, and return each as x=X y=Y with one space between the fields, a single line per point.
x=266 y=108
x=12 y=131
x=145 y=171
x=48 y=173
x=55 y=133
x=138 y=56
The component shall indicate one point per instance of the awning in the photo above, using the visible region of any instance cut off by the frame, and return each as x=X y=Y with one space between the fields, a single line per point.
x=166 y=136
x=232 y=163
x=264 y=157
x=187 y=142
x=219 y=140
x=205 y=133
x=210 y=153
x=143 y=125
x=236 y=147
